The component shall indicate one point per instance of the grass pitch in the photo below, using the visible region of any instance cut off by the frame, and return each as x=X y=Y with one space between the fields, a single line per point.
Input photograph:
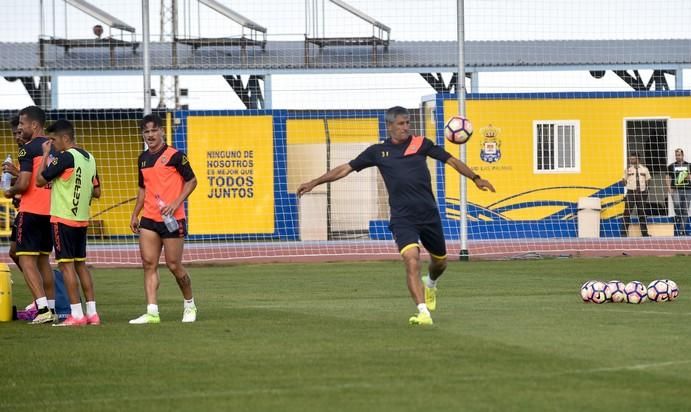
x=508 y=335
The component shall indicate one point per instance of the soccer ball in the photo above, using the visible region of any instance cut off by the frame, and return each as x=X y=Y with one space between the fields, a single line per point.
x=614 y=291
x=658 y=291
x=586 y=291
x=673 y=289
x=635 y=292
x=593 y=291
x=458 y=130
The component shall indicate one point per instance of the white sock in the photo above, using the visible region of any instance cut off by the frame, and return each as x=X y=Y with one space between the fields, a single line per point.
x=188 y=303
x=42 y=302
x=91 y=308
x=431 y=284
x=76 y=310
x=422 y=308
x=51 y=304
x=152 y=309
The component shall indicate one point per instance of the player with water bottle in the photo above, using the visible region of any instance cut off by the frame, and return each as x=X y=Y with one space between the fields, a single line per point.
x=166 y=179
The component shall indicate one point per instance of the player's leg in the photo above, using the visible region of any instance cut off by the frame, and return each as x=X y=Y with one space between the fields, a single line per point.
x=42 y=227
x=87 y=282
x=432 y=238
x=64 y=255
x=173 y=248
x=28 y=252
x=150 y=246
x=406 y=237
x=69 y=277
x=13 y=245
x=48 y=278
x=411 y=260
x=78 y=242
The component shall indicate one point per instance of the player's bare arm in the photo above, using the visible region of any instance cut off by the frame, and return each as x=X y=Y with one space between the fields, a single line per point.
x=40 y=180
x=134 y=220
x=187 y=188
x=332 y=175
x=464 y=170
x=20 y=185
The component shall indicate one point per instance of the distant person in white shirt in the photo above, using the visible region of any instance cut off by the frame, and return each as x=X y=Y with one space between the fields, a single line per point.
x=636 y=178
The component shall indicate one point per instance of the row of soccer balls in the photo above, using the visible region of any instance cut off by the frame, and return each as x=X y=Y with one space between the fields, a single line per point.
x=595 y=291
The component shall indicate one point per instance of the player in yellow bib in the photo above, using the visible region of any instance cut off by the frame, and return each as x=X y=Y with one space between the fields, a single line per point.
x=74 y=182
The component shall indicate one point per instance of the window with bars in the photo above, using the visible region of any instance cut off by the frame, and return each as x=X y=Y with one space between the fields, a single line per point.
x=556 y=146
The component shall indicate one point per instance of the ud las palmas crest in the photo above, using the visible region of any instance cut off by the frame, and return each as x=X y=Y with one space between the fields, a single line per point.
x=491 y=145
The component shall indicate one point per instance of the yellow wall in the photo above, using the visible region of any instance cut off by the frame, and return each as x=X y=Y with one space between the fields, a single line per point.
x=244 y=200
x=115 y=144
x=306 y=140
x=601 y=145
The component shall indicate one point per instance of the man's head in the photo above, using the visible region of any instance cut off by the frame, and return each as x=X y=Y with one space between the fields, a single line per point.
x=151 y=127
x=679 y=155
x=398 y=123
x=31 y=121
x=633 y=159
x=16 y=134
x=61 y=134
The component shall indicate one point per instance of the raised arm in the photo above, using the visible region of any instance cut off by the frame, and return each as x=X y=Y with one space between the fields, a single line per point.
x=464 y=170
x=332 y=175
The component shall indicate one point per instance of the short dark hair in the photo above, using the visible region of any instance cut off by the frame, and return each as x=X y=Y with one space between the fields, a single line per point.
x=394 y=112
x=34 y=113
x=150 y=118
x=14 y=122
x=62 y=126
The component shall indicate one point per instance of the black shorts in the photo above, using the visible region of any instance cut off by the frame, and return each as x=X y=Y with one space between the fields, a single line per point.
x=70 y=242
x=33 y=234
x=407 y=234
x=13 y=235
x=161 y=229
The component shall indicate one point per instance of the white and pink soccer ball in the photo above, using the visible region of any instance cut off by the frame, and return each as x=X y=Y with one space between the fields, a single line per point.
x=614 y=291
x=658 y=291
x=593 y=291
x=458 y=130
x=636 y=292
x=673 y=289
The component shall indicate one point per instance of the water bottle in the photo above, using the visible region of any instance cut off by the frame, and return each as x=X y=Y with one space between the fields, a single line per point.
x=7 y=176
x=170 y=222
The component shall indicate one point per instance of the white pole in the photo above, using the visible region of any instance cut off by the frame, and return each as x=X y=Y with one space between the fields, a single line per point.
x=460 y=93
x=147 y=61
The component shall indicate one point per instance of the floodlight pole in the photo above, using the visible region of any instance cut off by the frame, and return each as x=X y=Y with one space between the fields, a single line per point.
x=146 y=64
x=460 y=93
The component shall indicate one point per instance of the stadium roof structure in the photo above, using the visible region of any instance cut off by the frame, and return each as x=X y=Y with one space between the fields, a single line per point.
x=252 y=39
x=108 y=42
x=287 y=57
x=381 y=33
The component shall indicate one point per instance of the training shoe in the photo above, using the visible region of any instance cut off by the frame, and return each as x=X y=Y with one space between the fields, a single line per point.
x=189 y=315
x=421 y=319
x=94 y=320
x=146 y=318
x=45 y=317
x=72 y=321
x=430 y=295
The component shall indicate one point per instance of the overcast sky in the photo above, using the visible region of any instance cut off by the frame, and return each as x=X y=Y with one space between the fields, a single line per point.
x=408 y=19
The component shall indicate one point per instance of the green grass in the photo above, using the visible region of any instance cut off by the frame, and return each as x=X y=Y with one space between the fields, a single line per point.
x=508 y=335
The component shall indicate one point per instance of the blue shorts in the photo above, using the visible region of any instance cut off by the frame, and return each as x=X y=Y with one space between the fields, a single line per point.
x=408 y=234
